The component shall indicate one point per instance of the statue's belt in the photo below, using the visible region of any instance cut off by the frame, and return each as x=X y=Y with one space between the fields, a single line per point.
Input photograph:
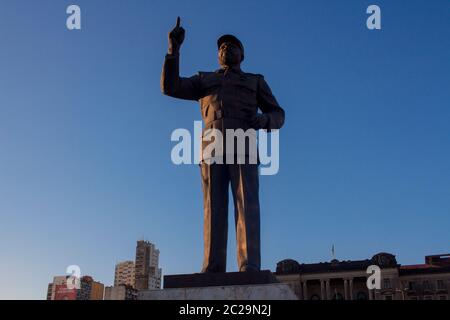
x=222 y=114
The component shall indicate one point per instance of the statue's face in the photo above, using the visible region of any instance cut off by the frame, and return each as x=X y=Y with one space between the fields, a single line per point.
x=229 y=54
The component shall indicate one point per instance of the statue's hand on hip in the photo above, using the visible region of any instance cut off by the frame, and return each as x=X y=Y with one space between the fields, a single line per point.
x=259 y=122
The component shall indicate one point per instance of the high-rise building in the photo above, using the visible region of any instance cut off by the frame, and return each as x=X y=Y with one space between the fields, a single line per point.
x=62 y=292
x=97 y=291
x=124 y=274
x=147 y=273
x=58 y=290
x=50 y=291
x=121 y=292
x=90 y=289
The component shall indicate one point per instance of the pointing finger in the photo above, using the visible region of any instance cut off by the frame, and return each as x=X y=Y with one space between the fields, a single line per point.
x=178 y=22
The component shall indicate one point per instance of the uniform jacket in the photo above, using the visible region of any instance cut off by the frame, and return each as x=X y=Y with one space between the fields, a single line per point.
x=229 y=98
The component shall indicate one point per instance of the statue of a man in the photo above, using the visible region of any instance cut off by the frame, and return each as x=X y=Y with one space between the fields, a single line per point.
x=229 y=99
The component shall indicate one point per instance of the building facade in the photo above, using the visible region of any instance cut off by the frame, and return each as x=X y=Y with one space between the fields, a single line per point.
x=124 y=274
x=347 y=280
x=58 y=290
x=121 y=292
x=147 y=272
x=62 y=292
x=89 y=289
x=49 y=291
x=97 y=291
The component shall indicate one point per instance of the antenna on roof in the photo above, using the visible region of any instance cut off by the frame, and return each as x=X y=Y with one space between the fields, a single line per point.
x=333 y=253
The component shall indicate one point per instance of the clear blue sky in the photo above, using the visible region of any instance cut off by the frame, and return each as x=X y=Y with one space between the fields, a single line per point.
x=85 y=166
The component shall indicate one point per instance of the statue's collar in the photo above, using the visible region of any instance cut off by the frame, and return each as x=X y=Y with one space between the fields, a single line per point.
x=236 y=70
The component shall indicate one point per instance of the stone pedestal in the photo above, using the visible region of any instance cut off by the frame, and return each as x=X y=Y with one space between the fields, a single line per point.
x=219 y=279
x=256 y=285
x=272 y=291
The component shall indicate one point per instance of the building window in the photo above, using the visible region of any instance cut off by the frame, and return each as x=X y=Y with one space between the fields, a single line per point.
x=388 y=297
x=315 y=297
x=440 y=285
x=412 y=285
x=443 y=297
x=426 y=285
x=428 y=298
x=413 y=298
x=361 y=296
x=386 y=283
x=338 y=296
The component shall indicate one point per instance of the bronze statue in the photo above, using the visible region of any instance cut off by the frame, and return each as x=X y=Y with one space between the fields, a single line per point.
x=229 y=99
